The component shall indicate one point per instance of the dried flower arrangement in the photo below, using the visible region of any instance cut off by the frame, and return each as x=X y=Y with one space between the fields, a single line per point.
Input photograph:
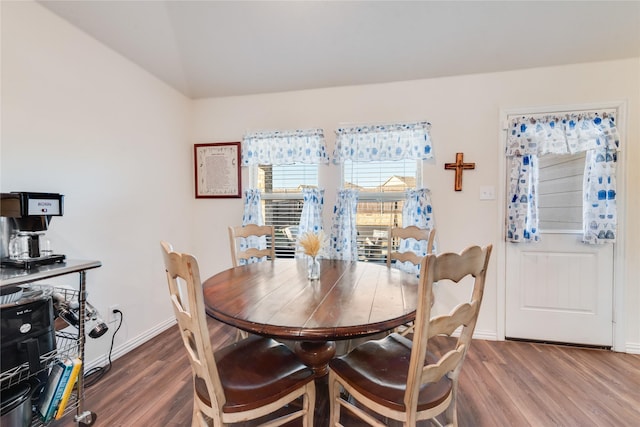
x=311 y=243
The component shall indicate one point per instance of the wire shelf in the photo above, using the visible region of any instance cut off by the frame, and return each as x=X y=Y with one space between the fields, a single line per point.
x=67 y=347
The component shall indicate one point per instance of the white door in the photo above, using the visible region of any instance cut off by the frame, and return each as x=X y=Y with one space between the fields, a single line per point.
x=560 y=289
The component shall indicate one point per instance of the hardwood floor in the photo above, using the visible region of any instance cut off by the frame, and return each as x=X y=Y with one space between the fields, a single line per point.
x=502 y=384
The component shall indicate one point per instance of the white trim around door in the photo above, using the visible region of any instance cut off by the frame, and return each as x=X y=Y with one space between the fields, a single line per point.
x=619 y=317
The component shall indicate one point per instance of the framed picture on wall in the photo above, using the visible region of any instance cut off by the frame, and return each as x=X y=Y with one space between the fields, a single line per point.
x=217 y=168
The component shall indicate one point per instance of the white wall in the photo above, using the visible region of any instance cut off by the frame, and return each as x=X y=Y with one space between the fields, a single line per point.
x=464 y=112
x=80 y=120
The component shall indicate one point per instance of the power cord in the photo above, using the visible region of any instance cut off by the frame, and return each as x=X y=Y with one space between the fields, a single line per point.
x=94 y=375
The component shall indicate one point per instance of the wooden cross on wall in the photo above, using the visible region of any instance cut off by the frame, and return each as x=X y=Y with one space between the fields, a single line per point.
x=459 y=166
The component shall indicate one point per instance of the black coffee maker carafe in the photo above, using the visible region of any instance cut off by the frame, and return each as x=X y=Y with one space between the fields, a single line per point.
x=31 y=243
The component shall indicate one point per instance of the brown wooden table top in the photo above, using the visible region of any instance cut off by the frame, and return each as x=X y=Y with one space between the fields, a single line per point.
x=351 y=299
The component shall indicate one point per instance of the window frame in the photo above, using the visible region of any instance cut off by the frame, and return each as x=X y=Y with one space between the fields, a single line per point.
x=372 y=239
x=285 y=240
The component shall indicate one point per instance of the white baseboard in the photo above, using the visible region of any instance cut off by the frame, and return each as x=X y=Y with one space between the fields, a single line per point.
x=121 y=350
x=485 y=335
x=632 y=348
x=478 y=335
x=126 y=347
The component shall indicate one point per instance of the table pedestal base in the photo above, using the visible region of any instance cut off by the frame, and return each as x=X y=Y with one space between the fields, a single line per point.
x=316 y=355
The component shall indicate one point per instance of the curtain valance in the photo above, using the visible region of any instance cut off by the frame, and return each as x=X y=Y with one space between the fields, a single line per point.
x=286 y=147
x=561 y=134
x=383 y=142
x=534 y=136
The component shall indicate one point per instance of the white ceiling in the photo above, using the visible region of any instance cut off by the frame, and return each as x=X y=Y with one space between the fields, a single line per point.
x=224 y=48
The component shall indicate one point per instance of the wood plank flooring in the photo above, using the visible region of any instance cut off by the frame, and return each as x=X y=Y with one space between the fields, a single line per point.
x=502 y=384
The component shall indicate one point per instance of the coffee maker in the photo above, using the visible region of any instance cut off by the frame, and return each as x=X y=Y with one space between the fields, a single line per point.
x=24 y=217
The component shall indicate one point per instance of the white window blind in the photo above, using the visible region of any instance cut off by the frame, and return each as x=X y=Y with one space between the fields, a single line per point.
x=560 y=191
x=278 y=179
x=281 y=187
x=380 y=177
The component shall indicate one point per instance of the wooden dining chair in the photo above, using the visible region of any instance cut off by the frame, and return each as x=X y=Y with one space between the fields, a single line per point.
x=238 y=253
x=251 y=378
x=399 y=379
x=249 y=231
x=396 y=234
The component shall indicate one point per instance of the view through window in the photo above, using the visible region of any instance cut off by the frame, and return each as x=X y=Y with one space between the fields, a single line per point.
x=281 y=187
x=381 y=187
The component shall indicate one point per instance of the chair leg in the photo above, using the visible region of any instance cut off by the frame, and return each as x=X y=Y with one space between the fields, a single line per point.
x=334 y=405
x=194 y=416
x=309 y=402
x=197 y=418
x=451 y=413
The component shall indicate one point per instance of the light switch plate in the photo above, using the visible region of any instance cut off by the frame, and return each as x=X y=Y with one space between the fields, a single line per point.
x=487 y=192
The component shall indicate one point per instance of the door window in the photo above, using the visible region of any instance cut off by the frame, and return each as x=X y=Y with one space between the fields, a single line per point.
x=560 y=192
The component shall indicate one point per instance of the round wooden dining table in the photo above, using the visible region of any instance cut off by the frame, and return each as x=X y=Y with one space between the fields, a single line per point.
x=276 y=299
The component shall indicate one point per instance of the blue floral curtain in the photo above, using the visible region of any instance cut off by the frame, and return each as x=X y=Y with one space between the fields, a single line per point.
x=252 y=215
x=284 y=147
x=311 y=216
x=530 y=137
x=522 y=206
x=418 y=211
x=343 y=244
x=383 y=142
x=599 y=216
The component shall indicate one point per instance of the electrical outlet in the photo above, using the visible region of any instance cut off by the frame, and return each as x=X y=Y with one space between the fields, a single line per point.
x=111 y=316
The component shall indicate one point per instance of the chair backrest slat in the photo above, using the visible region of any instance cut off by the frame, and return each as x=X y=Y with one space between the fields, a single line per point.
x=411 y=257
x=447 y=363
x=410 y=232
x=447 y=324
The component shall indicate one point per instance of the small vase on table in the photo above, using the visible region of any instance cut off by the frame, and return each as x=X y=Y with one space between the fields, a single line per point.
x=314 y=268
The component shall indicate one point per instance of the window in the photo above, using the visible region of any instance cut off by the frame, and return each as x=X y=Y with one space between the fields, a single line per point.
x=281 y=187
x=284 y=167
x=560 y=192
x=382 y=187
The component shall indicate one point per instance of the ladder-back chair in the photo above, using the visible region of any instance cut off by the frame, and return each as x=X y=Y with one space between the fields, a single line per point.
x=397 y=378
x=249 y=232
x=414 y=255
x=261 y=245
x=246 y=380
